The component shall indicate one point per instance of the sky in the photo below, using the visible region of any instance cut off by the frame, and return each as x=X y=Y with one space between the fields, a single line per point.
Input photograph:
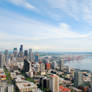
x=46 y=25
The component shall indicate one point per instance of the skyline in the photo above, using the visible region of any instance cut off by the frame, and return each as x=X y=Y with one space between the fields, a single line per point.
x=51 y=25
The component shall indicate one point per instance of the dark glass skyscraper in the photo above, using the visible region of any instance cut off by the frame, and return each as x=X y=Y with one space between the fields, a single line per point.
x=26 y=53
x=21 y=51
x=21 y=48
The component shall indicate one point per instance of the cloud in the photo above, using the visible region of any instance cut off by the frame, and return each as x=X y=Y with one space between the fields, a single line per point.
x=23 y=3
x=80 y=10
x=20 y=27
x=16 y=29
x=28 y=29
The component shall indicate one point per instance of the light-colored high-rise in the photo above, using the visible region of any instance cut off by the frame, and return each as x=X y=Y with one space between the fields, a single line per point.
x=30 y=55
x=2 y=60
x=54 y=83
x=10 y=88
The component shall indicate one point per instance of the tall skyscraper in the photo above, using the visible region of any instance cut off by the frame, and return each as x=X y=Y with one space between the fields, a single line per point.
x=21 y=48
x=37 y=57
x=21 y=51
x=15 y=52
x=26 y=66
x=54 y=83
x=61 y=63
x=54 y=64
x=26 y=53
x=2 y=60
x=44 y=82
x=30 y=55
x=6 y=55
x=78 y=78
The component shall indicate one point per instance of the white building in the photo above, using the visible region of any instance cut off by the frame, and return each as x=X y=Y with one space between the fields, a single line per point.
x=4 y=87
x=10 y=88
x=27 y=87
x=54 y=83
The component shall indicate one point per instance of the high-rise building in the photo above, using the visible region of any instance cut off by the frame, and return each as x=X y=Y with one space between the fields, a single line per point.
x=61 y=63
x=4 y=87
x=37 y=57
x=21 y=48
x=26 y=66
x=6 y=55
x=78 y=78
x=30 y=55
x=2 y=60
x=6 y=52
x=26 y=53
x=48 y=66
x=42 y=67
x=44 y=82
x=54 y=64
x=21 y=51
x=15 y=52
x=36 y=67
x=54 y=83
x=10 y=88
x=30 y=71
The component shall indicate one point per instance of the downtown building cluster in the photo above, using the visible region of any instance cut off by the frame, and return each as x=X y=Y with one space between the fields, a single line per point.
x=27 y=71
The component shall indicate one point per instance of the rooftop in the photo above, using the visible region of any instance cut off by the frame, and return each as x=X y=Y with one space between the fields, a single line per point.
x=26 y=84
